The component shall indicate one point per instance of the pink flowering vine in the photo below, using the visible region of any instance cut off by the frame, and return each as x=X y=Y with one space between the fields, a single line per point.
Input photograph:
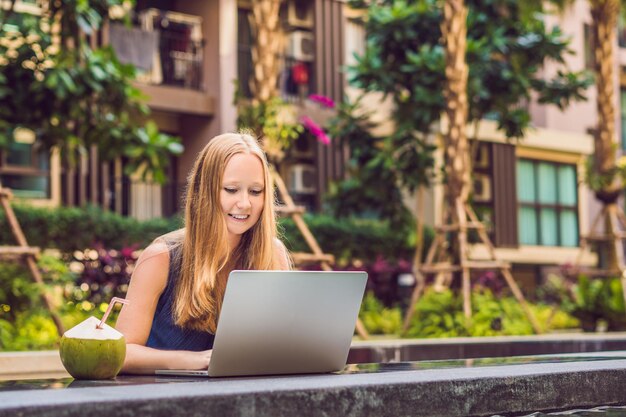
x=315 y=129
x=323 y=100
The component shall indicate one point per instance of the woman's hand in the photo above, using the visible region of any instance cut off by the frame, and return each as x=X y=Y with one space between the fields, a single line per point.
x=198 y=360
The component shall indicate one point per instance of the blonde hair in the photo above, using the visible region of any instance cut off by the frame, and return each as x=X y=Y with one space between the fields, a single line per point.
x=205 y=252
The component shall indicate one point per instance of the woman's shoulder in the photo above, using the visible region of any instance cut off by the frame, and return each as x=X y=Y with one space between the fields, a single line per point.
x=278 y=244
x=152 y=267
x=158 y=251
x=172 y=239
x=282 y=254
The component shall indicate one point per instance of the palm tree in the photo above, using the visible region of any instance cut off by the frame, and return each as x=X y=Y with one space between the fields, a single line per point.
x=454 y=31
x=604 y=15
x=458 y=173
x=266 y=50
x=606 y=184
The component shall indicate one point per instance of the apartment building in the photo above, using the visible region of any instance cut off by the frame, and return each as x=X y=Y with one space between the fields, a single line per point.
x=531 y=193
x=190 y=55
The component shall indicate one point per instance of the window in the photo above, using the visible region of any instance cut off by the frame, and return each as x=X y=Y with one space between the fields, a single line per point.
x=244 y=53
x=547 y=203
x=589 y=47
x=24 y=168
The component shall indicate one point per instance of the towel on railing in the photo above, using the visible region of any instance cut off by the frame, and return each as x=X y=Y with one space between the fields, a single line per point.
x=134 y=46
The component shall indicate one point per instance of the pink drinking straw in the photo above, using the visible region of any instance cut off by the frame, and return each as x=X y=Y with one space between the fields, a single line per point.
x=106 y=314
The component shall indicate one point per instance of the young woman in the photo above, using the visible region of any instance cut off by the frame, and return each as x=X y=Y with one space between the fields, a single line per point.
x=177 y=288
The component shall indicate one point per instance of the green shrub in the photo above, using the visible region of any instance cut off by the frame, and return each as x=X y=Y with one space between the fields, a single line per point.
x=72 y=228
x=440 y=314
x=18 y=291
x=354 y=238
x=69 y=229
x=24 y=323
x=30 y=331
x=554 y=317
x=379 y=319
x=597 y=299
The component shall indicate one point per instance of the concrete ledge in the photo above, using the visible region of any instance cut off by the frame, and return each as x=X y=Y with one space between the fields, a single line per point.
x=47 y=364
x=28 y=365
x=466 y=391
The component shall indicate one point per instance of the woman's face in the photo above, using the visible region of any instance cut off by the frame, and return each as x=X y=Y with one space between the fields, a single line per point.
x=242 y=194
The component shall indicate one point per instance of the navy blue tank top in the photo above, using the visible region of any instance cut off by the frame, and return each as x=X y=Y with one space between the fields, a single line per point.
x=165 y=334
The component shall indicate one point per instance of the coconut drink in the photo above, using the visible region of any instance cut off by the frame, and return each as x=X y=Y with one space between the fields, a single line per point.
x=92 y=349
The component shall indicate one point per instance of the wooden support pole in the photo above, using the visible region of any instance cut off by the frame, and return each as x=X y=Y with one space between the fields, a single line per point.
x=465 y=266
x=29 y=258
x=482 y=233
x=298 y=220
x=465 y=271
x=420 y=283
x=520 y=298
x=296 y=214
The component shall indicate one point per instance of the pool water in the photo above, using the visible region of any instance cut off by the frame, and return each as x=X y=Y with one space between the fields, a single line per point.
x=604 y=411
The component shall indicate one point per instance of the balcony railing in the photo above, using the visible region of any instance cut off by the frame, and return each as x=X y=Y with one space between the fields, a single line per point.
x=180 y=59
x=167 y=48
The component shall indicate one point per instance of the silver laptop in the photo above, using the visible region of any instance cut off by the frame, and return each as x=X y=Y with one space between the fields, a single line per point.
x=284 y=322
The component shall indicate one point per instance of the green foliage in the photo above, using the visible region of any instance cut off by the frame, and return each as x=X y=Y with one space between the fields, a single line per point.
x=349 y=239
x=24 y=323
x=75 y=97
x=30 y=331
x=274 y=121
x=506 y=49
x=599 y=181
x=595 y=299
x=371 y=187
x=50 y=227
x=554 y=317
x=379 y=319
x=440 y=314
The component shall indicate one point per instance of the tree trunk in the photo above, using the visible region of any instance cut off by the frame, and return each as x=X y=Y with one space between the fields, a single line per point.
x=454 y=30
x=604 y=15
x=455 y=142
x=266 y=50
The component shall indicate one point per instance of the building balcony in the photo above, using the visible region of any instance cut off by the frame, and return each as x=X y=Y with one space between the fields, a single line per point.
x=167 y=49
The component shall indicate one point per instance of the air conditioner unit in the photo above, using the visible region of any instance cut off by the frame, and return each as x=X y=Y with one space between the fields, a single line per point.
x=300 y=13
x=302 y=179
x=482 y=188
x=303 y=147
x=301 y=46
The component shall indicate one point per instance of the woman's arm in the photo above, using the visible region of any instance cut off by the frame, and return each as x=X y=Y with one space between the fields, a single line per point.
x=135 y=320
x=144 y=360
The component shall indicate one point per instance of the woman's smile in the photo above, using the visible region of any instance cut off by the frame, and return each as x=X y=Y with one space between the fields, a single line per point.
x=239 y=217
